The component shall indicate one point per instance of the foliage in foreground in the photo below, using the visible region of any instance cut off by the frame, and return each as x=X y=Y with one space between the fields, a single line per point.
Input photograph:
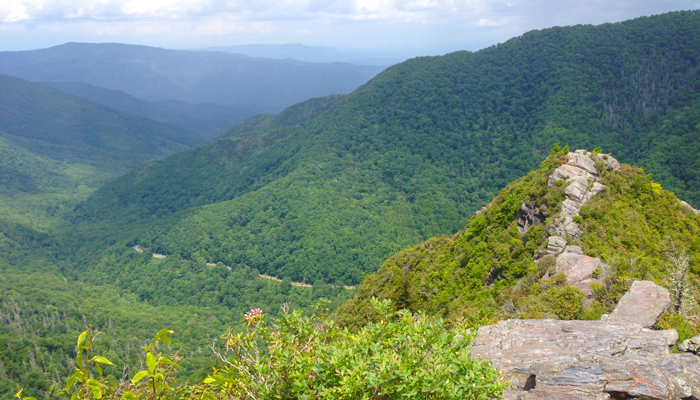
x=297 y=357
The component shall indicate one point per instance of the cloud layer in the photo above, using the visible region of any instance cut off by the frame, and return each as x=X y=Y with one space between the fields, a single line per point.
x=353 y=23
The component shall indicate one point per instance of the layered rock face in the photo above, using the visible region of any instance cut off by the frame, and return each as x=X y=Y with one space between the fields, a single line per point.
x=550 y=359
x=583 y=181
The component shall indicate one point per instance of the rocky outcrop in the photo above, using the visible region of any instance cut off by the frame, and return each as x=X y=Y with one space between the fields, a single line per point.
x=555 y=244
x=643 y=304
x=529 y=216
x=581 y=270
x=581 y=175
x=551 y=359
x=691 y=345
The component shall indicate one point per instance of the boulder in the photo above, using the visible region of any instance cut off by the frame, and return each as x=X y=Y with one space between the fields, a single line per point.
x=574 y=250
x=610 y=162
x=555 y=245
x=529 y=216
x=581 y=270
x=582 y=160
x=551 y=359
x=691 y=345
x=643 y=304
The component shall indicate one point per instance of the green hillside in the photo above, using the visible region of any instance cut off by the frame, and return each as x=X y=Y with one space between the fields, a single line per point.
x=491 y=270
x=56 y=149
x=414 y=152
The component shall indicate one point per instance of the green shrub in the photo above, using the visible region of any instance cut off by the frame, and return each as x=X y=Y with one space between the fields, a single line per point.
x=401 y=356
x=565 y=302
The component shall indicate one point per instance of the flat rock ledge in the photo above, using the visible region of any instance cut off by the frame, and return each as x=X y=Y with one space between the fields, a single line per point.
x=552 y=359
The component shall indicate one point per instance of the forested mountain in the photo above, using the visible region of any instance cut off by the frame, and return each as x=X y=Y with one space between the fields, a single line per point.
x=413 y=153
x=205 y=120
x=504 y=263
x=56 y=148
x=156 y=74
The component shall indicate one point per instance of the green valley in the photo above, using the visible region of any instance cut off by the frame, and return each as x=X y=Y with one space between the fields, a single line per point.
x=56 y=149
x=440 y=188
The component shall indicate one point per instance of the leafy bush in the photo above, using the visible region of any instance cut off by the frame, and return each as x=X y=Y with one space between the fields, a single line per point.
x=401 y=356
x=566 y=302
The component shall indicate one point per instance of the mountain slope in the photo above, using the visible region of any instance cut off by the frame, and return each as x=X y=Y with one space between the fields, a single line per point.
x=205 y=120
x=414 y=152
x=503 y=264
x=57 y=148
x=155 y=74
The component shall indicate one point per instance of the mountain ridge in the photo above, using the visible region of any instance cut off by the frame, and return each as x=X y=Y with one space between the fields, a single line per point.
x=503 y=263
x=156 y=74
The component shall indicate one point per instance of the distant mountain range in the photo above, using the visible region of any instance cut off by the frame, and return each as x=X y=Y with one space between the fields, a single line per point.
x=320 y=54
x=155 y=74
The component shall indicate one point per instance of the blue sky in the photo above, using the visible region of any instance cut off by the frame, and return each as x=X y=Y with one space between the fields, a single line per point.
x=430 y=26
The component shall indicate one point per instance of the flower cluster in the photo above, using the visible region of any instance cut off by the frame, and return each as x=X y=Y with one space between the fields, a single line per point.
x=254 y=315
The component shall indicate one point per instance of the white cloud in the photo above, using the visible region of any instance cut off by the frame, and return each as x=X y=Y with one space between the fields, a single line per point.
x=341 y=23
x=105 y=10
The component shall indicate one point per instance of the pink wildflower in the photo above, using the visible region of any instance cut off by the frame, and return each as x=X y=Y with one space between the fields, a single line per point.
x=253 y=314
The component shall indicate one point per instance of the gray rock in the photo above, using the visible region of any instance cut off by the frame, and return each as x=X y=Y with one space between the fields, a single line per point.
x=573 y=249
x=566 y=172
x=643 y=304
x=550 y=359
x=529 y=216
x=610 y=162
x=671 y=336
x=582 y=160
x=579 y=271
x=578 y=189
x=691 y=345
x=580 y=174
x=555 y=245
x=564 y=224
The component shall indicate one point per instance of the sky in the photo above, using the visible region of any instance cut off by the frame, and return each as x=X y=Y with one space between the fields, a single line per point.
x=430 y=26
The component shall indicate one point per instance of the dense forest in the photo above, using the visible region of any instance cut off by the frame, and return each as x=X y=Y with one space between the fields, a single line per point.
x=328 y=191
x=412 y=154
